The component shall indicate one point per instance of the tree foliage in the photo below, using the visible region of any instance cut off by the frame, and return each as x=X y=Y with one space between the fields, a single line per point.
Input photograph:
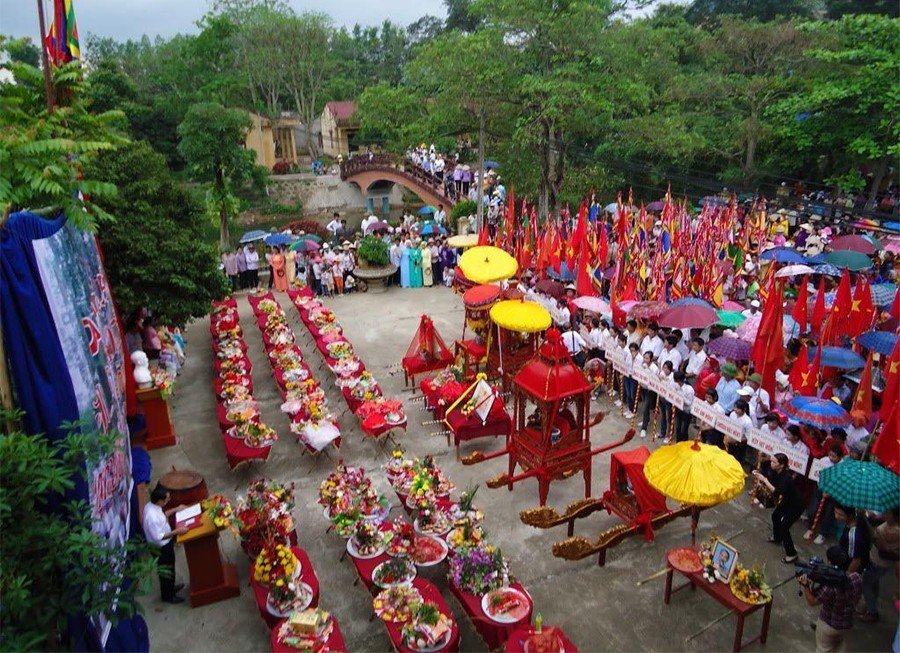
x=212 y=142
x=154 y=249
x=43 y=154
x=53 y=565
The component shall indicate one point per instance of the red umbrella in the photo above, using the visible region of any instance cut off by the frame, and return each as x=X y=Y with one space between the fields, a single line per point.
x=551 y=287
x=853 y=243
x=692 y=316
x=649 y=310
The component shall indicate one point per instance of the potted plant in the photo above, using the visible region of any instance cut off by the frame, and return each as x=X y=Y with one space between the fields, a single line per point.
x=372 y=252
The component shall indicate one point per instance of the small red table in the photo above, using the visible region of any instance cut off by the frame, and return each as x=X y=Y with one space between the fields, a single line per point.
x=493 y=633
x=236 y=452
x=722 y=594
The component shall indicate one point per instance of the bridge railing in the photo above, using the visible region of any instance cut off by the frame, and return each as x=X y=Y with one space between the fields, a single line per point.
x=401 y=167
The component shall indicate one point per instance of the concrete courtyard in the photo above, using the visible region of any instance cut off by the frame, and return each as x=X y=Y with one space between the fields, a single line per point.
x=601 y=609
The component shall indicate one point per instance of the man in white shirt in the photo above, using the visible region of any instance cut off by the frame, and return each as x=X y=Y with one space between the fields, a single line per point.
x=334 y=225
x=632 y=333
x=652 y=342
x=158 y=533
x=760 y=402
x=696 y=359
x=441 y=215
x=562 y=316
x=576 y=346
x=670 y=353
x=753 y=310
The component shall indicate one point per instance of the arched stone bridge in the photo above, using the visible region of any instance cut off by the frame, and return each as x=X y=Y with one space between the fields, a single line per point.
x=364 y=172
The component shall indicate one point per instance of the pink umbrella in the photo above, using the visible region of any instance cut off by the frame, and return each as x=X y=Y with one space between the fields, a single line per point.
x=690 y=316
x=733 y=306
x=592 y=304
x=893 y=245
x=648 y=310
x=853 y=243
x=748 y=329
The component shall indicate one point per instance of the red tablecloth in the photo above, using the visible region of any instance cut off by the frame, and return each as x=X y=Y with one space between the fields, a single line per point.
x=237 y=452
x=470 y=427
x=307 y=575
x=231 y=302
x=375 y=426
x=217 y=363
x=303 y=292
x=516 y=641
x=352 y=402
x=255 y=299
x=335 y=641
x=494 y=634
x=430 y=593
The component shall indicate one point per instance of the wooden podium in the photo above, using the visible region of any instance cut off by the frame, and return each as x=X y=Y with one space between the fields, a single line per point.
x=160 y=430
x=211 y=578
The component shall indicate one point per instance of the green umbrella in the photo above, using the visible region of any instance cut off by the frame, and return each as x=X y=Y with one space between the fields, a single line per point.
x=730 y=319
x=864 y=485
x=853 y=261
x=312 y=237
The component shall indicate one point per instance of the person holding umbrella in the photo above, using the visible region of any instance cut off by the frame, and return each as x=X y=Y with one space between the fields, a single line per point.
x=789 y=503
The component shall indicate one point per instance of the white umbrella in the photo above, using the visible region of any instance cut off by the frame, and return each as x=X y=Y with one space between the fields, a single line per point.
x=794 y=270
x=592 y=304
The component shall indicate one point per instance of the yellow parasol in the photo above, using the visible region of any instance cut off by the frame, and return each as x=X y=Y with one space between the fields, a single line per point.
x=520 y=315
x=469 y=240
x=694 y=473
x=487 y=264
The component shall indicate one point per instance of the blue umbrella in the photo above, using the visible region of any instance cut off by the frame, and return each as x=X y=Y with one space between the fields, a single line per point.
x=828 y=269
x=844 y=359
x=278 y=239
x=893 y=226
x=818 y=259
x=491 y=164
x=692 y=301
x=882 y=342
x=883 y=293
x=250 y=236
x=432 y=229
x=783 y=255
x=426 y=210
x=823 y=413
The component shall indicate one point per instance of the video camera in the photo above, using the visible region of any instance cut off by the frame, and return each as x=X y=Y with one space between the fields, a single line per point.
x=820 y=572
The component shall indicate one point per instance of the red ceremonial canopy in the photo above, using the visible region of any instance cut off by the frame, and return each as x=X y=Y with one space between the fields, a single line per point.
x=631 y=463
x=427 y=350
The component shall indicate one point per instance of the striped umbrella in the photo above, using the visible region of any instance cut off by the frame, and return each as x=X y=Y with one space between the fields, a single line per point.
x=880 y=341
x=822 y=413
x=864 y=485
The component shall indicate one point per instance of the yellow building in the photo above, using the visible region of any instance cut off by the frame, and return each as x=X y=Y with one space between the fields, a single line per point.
x=272 y=139
x=338 y=127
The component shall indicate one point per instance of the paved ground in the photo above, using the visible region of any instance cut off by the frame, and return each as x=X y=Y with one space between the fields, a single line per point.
x=602 y=609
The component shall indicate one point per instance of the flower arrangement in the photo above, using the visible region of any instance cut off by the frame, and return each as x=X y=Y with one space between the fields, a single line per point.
x=465 y=507
x=328 y=338
x=163 y=381
x=366 y=537
x=431 y=519
x=345 y=366
x=396 y=603
x=340 y=350
x=256 y=434
x=266 y=515
x=286 y=594
x=364 y=393
x=219 y=509
x=277 y=562
x=479 y=570
x=395 y=465
x=268 y=306
x=379 y=406
x=235 y=393
x=469 y=407
x=399 y=538
x=235 y=378
x=465 y=535
x=428 y=626
x=749 y=585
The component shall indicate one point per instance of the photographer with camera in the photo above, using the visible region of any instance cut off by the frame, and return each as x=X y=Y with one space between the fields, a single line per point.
x=837 y=591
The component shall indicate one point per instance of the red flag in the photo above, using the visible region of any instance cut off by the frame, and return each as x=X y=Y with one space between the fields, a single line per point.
x=603 y=248
x=484 y=236
x=887 y=444
x=863 y=399
x=583 y=277
x=891 y=394
x=801 y=306
x=805 y=379
x=768 y=349
x=818 y=314
x=843 y=302
x=862 y=308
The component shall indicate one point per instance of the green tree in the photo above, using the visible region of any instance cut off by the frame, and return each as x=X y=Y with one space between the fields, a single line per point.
x=848 y=111
x=391 y=115
x=461 y=17
x=24 y=51
x=154 y=249
x=53 y=565
x=212 y=142
x=709 y=11
x=43 y=154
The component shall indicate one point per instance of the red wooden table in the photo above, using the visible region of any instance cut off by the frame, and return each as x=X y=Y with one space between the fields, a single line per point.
x=237 y=452
x=493 y=633
x=722 y=594
x=429 y=593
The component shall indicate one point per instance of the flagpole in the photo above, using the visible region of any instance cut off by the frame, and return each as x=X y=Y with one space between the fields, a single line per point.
x=48 y=85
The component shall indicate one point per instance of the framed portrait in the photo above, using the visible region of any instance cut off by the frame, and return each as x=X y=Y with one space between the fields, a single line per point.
x=724 y=560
